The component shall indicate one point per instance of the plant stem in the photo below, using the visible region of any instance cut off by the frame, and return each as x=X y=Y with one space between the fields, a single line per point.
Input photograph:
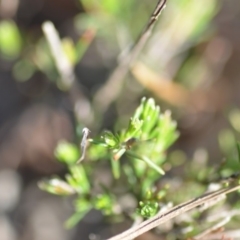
x=175 y=211
x=113 y=85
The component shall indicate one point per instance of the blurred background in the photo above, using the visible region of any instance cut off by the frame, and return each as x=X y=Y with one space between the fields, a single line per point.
x=190 y=65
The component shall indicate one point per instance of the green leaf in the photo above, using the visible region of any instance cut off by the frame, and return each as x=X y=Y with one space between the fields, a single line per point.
x=148 y=209
x=151 y=120
x=105 y=203
x=78 y=173
x=56 y=186
x=10 y=39
x=97 y=152
x=67 y=152
x=139 y=110
x=148 y=108
x=110 y=139
x=134 y=128
x=82 y=208
x=74 y=219
x=147 y=161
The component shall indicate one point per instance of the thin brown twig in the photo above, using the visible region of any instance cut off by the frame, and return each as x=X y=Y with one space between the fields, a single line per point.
x=109 y=92
x=175 y=211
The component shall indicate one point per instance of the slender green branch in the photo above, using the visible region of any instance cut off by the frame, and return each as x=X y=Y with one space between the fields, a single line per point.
x=147 y=161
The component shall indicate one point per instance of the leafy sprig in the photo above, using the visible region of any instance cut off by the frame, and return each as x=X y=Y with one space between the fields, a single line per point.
x=143 y=146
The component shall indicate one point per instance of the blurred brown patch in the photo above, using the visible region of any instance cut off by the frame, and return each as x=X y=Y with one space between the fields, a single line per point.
x=32 y=139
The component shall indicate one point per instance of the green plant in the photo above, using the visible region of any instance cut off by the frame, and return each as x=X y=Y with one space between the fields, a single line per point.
x=137 y=155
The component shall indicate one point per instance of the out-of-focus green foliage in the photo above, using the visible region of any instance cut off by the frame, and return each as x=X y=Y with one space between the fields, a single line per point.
x=69 y=49
x=196 y=16
x=23 y=70
x=10 y=40
x=190 y=25
x=228 y=142
x=82 y=207
x=56 y=186
x=105 y=203
x=234 y=118
x=67 y=152
x=184 y=25
x=238 y=151
x=182 y=22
